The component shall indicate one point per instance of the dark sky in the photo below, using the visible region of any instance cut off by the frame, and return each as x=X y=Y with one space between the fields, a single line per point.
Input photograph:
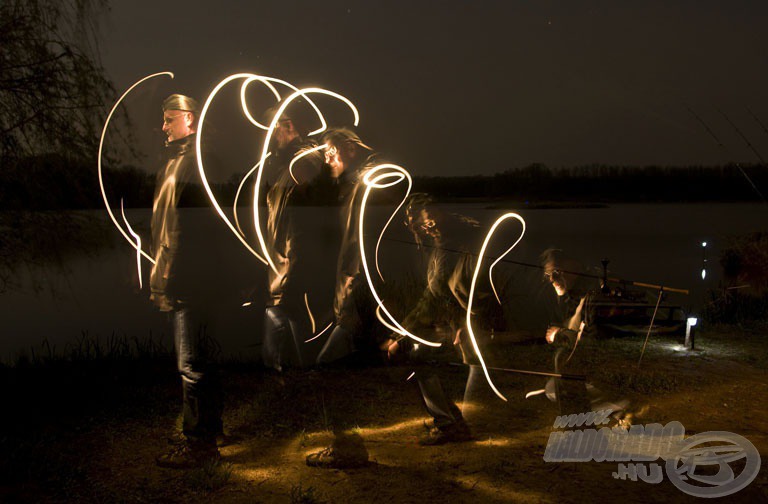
x=465 y=87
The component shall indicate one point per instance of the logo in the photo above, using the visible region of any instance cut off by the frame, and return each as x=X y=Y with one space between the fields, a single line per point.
x=703 y=466
x=709 y=464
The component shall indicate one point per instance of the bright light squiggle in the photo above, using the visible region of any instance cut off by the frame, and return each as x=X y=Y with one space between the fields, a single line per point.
x=138 y=242
x=268 y=138
x=384 y=229
x=373 y=179
x=330 y=324
x=384 y=321
x=101 y=148
x=490 y=269
x=309 y=312
x=206 y=185
x=267 y=82
x=239 y=190
x=301 y=155
x=472 y=338
x=244 y=102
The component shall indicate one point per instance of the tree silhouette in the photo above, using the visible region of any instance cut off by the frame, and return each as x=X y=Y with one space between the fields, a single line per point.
x=53 y=88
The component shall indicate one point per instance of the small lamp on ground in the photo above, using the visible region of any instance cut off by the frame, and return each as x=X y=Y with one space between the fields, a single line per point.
x=690 y=332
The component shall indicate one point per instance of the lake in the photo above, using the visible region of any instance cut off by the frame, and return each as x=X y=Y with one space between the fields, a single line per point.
x=99 y=295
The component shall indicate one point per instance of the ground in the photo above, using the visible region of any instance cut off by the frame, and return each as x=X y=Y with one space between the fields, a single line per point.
x=103 y=449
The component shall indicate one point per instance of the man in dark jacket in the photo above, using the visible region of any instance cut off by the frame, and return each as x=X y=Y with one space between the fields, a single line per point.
x=293 y=243
x=178 y=289
x=570 y=316
x=347 y=159
x=340 y=185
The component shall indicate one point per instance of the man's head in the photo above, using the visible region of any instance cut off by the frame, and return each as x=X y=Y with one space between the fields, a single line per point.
x=344 y=150
x=293 y=123
x=179 y=116
x=421 y=217
x=559 y=270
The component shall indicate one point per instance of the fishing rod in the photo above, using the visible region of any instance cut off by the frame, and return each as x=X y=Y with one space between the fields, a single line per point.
x=749 y=144
x=564 y=376
x=540 y=267
x=722 y=145
x=757 y=120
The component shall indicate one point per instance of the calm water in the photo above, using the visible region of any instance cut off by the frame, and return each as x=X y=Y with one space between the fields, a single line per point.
x=99 y=295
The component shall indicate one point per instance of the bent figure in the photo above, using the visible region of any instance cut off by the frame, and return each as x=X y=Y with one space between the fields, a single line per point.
x=443 y=304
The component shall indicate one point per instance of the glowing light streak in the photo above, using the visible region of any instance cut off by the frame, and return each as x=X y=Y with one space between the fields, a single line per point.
x=239 y=190
x=201 y=169
x=490 y=269
x=384 y=321
x=471 y=296
x=101 y=149
x=309 y=312
x=391 y=217
x=267 y=82
x=413 y=373
x=138 y=242
x=320 y=333
x=281 y=109
x=534 y=393
x=244 y=102
x=301 y=155
x=374 y=180
x=247 y=303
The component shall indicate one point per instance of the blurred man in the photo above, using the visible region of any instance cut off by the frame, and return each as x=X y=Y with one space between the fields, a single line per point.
x=347 y=158
x=442 y=305
x=293 y=238
x=178 y=289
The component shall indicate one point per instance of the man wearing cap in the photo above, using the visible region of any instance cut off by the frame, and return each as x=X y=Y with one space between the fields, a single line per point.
x=178 y=289
x=347 y=158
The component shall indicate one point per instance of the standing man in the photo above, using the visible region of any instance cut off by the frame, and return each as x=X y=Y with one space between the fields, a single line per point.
x=293 y=237
x=178 y=287
x=346 y=158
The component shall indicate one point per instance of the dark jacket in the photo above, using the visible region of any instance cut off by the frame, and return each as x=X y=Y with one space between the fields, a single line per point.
x=291 y=238
x=172 y=275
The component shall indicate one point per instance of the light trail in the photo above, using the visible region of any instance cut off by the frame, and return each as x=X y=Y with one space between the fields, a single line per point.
x=101 y=149
x=201 y=169
x=138 y=242
x=296 y=94
x=301 y=155
x=384 y=229
x=490 y=269
x=377 y=182
x=244 y=102
x=510 y=215
x=320 y=333
x=267 y=82
x=309 y=312
x=239 y=190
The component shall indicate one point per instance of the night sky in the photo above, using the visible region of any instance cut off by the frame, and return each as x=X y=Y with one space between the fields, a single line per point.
x=460 y=87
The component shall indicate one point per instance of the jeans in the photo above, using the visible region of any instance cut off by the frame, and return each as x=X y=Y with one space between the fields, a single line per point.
x=436 y=401
x=196 y=355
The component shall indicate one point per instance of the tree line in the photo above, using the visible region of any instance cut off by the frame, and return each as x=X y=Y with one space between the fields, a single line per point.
x=57 y=181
